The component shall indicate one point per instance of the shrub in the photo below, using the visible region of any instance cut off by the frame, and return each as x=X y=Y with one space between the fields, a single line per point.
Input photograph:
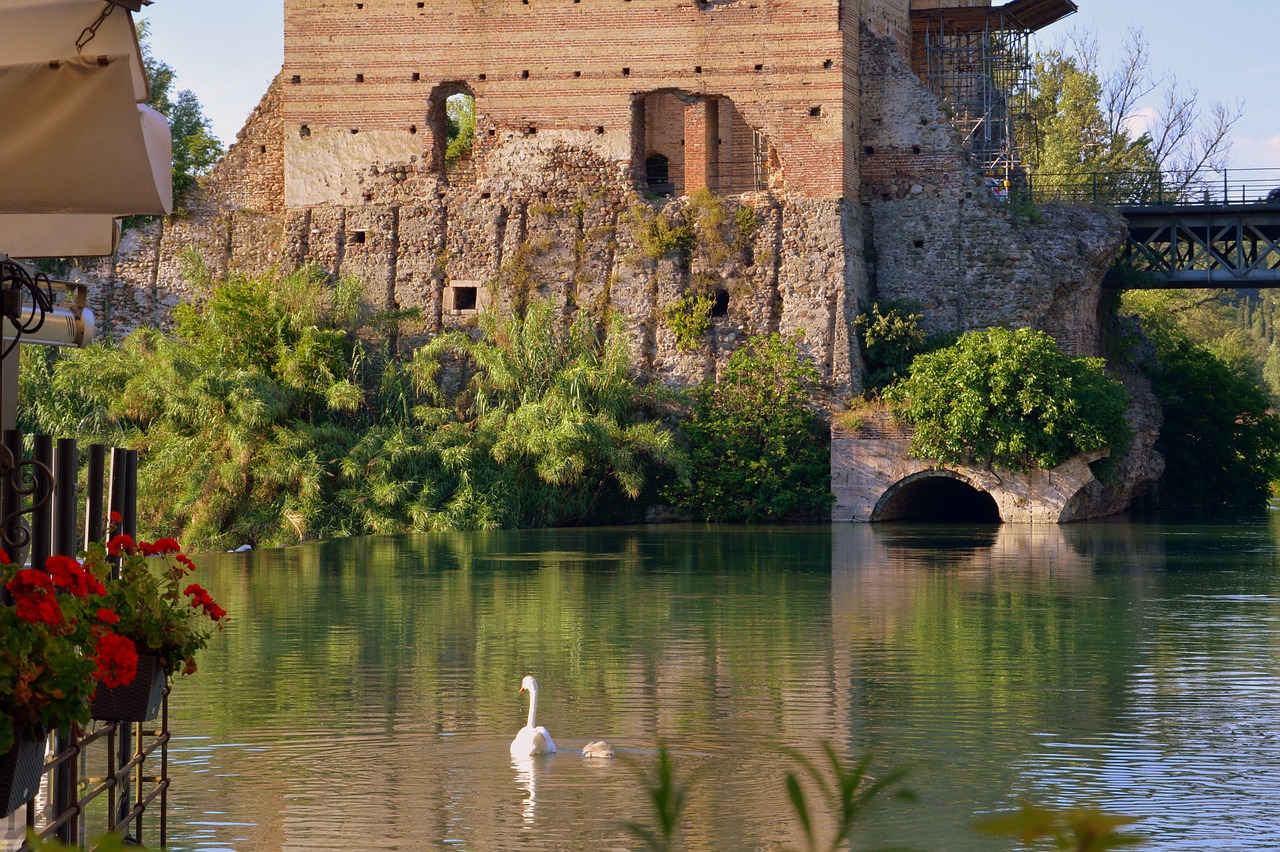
x=757 y=449
x=1011 y=399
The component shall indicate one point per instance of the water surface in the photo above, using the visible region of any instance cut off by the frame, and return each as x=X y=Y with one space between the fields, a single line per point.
x=365 y=693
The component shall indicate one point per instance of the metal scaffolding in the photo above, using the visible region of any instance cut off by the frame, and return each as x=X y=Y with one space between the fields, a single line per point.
x=979 y=66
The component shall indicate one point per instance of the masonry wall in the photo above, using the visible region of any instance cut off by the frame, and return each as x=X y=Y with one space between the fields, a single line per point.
x=352 y=97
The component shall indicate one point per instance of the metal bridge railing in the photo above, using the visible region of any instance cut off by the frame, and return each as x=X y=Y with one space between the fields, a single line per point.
x=1157 y=189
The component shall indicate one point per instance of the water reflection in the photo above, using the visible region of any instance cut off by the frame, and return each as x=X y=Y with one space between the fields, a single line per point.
x=361 y=698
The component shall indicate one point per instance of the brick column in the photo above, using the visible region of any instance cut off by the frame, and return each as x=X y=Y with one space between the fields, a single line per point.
x=702 y=145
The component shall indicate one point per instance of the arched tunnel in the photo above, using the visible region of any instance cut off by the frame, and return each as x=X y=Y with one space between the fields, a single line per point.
x=937 y=497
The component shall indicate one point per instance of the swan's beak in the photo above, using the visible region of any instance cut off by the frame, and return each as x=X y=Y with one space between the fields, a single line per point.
x=520 y=690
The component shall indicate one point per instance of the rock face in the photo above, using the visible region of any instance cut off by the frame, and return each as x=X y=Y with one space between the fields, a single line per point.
x=806 y=181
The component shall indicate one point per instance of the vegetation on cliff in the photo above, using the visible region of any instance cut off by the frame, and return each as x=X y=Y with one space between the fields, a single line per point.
x=1011 y=399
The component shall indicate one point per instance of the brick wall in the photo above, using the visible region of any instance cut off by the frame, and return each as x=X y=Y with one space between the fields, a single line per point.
x=551 y=64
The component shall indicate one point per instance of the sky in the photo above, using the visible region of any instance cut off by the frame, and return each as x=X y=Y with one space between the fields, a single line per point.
x=228 y=51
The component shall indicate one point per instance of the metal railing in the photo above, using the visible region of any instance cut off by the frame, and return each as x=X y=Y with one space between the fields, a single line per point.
x=1206 y=188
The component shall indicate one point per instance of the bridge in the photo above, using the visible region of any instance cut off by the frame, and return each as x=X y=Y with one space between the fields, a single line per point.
x=1215 y=229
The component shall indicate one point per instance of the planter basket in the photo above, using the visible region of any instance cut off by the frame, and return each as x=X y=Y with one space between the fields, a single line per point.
x=134 y=702
x=20 y=771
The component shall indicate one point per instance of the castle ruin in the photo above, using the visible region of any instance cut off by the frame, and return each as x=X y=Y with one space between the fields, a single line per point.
x=814 y=154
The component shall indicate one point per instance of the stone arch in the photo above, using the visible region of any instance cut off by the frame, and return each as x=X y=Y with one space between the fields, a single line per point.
x=437 y=141
x=936 y=496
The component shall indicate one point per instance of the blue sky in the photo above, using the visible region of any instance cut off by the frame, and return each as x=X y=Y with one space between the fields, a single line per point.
x=227 y=52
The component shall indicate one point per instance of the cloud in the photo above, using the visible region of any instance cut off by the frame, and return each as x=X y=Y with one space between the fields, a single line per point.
x=1256 y=152
x=1140 y=122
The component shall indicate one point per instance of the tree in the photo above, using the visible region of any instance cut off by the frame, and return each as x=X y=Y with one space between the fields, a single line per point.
x=195 y=148
x=757 y=449
x=1011 y=399
x=1086 y=121
x=1220 y=438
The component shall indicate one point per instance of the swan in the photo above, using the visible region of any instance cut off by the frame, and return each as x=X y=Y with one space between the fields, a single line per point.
x=598 y=750
x=533 y=738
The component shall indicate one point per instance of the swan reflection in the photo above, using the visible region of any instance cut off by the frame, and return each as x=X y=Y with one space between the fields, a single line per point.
x=527 y=780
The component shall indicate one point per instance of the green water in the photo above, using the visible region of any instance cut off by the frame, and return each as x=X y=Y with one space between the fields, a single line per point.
x=365 y=693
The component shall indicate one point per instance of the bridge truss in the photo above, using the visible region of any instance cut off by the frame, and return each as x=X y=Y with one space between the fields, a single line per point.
x=1205 y=246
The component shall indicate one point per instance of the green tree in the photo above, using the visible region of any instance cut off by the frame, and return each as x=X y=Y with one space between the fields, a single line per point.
x=891 y=336
x=1011 y=399
x=460 y=127
x=1084 y=136
x=1220 y=437
x=757 y=449
x=195 y=148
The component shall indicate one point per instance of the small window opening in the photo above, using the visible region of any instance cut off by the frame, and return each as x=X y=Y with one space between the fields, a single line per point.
x=355 y=130
x=828 y=64
x=915 y=149
x=868 y=150
x=416 y=76
x=262 y=149
x=577 y=73
x=599 y=130
x=422 y=5
x=464 y=298
x=657 y=173
x=697 y=69
x=304 y=130
x=815 y=111
x=359 y=78
x=918 y=243
x=626 y=72
x=296 y=79
x=359 y=5
x=524 y=75
x=759 y=66
x=720 y=305
x=357 y=236
x=413 y=129
x=482 y=77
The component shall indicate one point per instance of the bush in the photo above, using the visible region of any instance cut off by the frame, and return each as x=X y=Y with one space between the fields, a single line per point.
x=1010 y=399
x=758 y=450
x=891 y=338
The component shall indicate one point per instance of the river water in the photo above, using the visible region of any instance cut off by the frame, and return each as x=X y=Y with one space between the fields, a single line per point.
x=364 y=694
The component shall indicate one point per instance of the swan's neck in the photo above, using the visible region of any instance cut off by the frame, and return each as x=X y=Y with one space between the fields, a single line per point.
x=533 y=707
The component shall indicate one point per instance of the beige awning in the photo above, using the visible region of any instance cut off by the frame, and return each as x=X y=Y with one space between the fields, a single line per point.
x=78 y=146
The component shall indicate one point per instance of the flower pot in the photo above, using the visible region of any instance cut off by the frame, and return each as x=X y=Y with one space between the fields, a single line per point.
x=134 y=702
x=20 y=770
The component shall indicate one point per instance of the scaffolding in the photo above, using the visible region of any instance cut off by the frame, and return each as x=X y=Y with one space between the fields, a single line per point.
x=979 y=67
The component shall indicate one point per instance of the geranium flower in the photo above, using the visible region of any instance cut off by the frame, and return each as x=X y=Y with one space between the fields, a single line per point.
x=121 y=542
x=117 y=660
x=115 y=518
x=106 y=616
x=38 y=608
x=69 y=574
x=160 y=547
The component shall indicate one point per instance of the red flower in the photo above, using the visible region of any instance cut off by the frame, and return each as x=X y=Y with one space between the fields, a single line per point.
x=106 y=616
x=116 y=658
x=29 y=581
x=69 y=574
x=115 y=518
x=38 y=608
x=202 y=599
x=186 y=560
x=4 y=558
x=160 y=547
x=120 y=542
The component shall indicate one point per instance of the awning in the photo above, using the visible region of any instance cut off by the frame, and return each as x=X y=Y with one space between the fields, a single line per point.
x=78 y=146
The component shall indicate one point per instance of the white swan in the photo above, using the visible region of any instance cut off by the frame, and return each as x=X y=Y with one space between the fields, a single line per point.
x=533 y=738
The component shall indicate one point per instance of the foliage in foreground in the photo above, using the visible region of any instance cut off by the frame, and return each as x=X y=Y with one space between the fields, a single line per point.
x=1011 y=399
x=758 y=451
x=848 y=792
